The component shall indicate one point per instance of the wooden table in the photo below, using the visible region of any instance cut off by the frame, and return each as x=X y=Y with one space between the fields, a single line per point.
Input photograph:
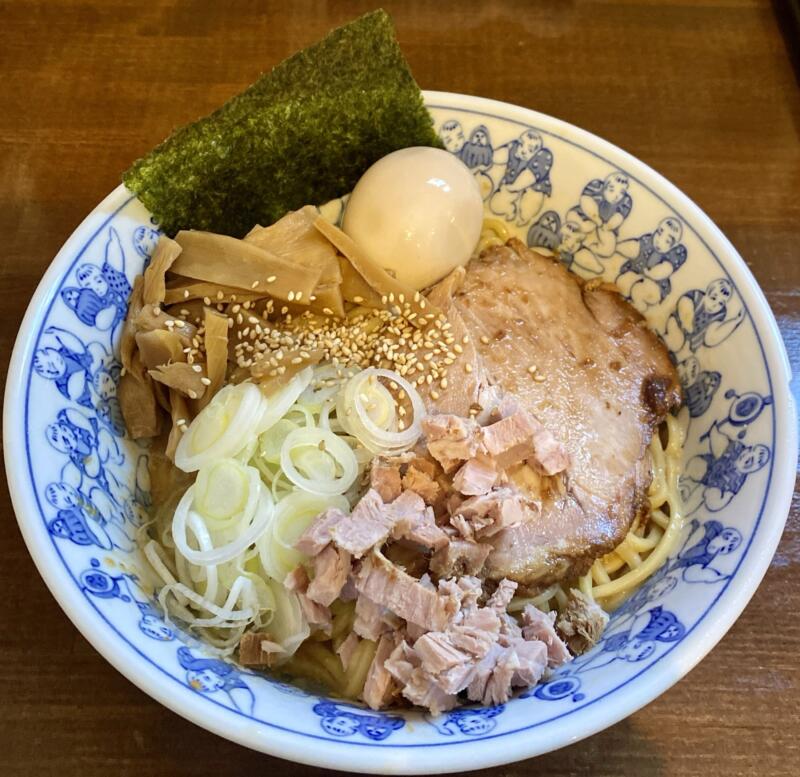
x=703 y=91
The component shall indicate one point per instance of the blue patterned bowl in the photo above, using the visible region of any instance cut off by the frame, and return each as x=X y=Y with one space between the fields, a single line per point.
x=80 y=487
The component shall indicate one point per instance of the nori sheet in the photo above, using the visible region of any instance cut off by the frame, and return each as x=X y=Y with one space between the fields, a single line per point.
x=301 y=134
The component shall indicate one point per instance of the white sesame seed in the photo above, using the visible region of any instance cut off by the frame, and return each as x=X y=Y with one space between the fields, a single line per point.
x=467 y=368
x=205 y=381
x=272 y=279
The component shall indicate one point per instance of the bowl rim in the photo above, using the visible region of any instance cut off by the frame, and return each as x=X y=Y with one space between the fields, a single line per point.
x=460 y=755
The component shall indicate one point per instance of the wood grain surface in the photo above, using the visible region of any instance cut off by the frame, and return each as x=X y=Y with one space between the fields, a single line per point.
x=705 y=92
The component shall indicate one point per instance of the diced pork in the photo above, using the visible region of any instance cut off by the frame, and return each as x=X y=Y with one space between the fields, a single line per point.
x=451 y=439
x=459 y=557
x=380 y=685
x=258 y=650
x=489 y=513
x=413 y=520
x=477 y=476
x=404 y=665
x=502 y=596
x=297 y=579
x=331 y=569
x=347 y=649
x=541 y=626
x=385 y=478
x=581 y=623
x=367 y=526
x=437 y=653
x=422 y=483
x=477 y=632
x=369 y=622
x=533 y=657
x=385 y=584
x=320 y=533
x=317 y=615
x=519 y=437
x=520 y=664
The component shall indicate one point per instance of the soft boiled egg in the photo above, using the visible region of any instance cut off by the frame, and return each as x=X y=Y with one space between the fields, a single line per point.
x=417 y=213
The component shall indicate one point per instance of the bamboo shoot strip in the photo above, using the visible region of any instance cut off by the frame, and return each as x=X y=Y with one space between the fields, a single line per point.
x=232 y=262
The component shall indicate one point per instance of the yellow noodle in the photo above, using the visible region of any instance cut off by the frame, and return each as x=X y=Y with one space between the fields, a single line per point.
x=643 y=556
x=494 y=232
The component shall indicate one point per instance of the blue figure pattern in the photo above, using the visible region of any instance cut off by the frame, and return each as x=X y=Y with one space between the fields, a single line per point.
x=452 y=136
x=695 y=563
x=714 y=478
x=521 y=177
x=86 y=519
x=650 y=262
x=210 y=675
x=703 y=319
x=100 y=299
x=89 y=447
x=591 y=228
x=470 y=721
x=545 y=232
x=556 y=690
x=699 y=386
x=145 y=240
x=85 y=374
x=98 y=582
x=631 y=643
x=476 y=153
x=345 y=720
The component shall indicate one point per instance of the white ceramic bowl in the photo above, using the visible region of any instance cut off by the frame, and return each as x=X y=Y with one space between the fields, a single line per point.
x=79 y=488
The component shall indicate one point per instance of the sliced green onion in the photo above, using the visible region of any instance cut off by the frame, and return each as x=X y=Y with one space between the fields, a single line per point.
x=319 y=477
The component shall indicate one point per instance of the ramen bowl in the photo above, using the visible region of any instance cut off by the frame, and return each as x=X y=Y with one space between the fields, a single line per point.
x=80 y=488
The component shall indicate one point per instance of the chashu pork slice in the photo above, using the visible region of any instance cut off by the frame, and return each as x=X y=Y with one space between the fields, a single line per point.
x=602 y=383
